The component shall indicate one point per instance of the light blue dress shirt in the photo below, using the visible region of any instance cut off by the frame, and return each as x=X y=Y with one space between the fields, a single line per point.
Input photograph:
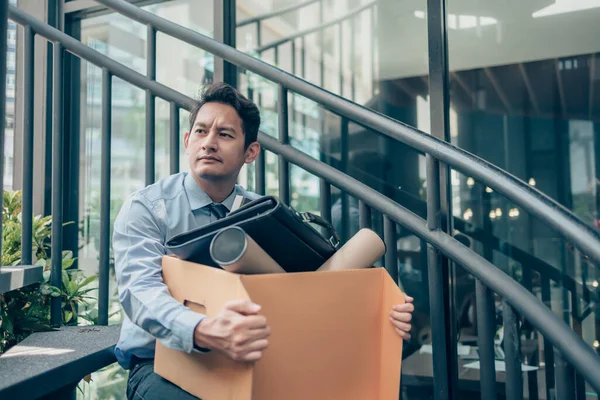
x=148 y=218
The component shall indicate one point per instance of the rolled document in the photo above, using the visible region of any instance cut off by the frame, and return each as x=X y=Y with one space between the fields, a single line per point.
x=361 y=251
x=237 y=252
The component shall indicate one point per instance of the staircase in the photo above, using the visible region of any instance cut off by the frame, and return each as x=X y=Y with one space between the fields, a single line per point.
x=310 y=129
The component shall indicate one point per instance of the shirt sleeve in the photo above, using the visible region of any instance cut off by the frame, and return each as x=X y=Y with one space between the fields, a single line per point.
x=138 y=246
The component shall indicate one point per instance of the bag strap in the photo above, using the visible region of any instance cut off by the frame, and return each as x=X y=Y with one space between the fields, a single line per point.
x=334 y=239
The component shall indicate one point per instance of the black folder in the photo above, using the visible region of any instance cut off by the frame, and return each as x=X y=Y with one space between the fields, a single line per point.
x=284 y=233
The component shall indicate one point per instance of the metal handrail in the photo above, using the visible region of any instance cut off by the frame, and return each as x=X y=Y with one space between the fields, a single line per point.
x=575 y=350
x=530 y=199
x=275 y=13
x=314 y=29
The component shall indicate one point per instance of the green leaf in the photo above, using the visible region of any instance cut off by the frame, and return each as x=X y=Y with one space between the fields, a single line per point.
x=7 y=325
x=67 y=263
x=41 y=262
x=65 y=279
x=87 y=281
x=68 y=316
x=71 y=287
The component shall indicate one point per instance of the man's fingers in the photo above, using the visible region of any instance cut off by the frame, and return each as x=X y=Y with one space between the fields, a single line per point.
x=244 y=307
x=403 y=335
x=258 y=345
x=252 y=322
x=253 y=351
x=255 y=334
x=253 y=357
x=403 y=326
x=401 y=316
x=405 y=308
x=408 y=299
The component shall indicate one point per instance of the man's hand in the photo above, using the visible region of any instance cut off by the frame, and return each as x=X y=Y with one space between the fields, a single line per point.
x=401 y=316
x=237 y=331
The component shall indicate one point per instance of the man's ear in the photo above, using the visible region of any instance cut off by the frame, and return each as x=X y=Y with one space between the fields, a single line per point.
x=186 y=139
x=252 y=152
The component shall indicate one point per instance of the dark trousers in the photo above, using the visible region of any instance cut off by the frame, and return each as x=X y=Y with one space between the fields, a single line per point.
x=144 y=384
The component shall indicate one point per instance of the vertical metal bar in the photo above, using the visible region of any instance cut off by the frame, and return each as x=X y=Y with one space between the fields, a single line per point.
x=3 y=47
x=441 y=378
x=341 y=59
x=548 y=347
x=174 y=139
x=577 y=325
x=433 y=193
x=28 y=139
x=364 y=212
x=105 y=171
x=565 y=378
x=284 y=137
x=303 y=57
x=276 y=55
x=303 y=74
x=373 y=44
x=224 y=31
x=150 y=107
x=258 y=38
x=486 y=330
x=325 y=201
x=512 y=352
x=442 y=278
x=293 y=94
x=352 y=69
x=57 y=178
x=72 y=141
x=391 y=253
x=344 y=145
x=439 y=342
x=321 y=46
x=260 y=173
x=532 y=378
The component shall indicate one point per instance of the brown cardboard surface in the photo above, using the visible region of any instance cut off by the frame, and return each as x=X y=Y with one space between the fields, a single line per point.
x=331 y=337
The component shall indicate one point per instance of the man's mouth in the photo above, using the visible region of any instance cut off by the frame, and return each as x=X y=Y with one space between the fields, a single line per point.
x=209 y=159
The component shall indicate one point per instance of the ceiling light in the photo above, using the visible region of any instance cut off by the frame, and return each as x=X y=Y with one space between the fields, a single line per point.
x=468 y=214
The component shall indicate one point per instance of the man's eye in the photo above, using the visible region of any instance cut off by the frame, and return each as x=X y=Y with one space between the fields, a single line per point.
x=226 y=135
x=199 y=130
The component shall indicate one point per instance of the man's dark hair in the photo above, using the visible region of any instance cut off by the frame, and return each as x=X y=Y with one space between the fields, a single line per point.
x=226 y=94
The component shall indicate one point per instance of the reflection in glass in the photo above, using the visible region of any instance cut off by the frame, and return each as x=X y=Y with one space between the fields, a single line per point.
x=178 y=65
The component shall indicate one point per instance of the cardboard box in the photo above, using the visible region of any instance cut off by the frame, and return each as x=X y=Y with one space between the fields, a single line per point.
x=331 y=337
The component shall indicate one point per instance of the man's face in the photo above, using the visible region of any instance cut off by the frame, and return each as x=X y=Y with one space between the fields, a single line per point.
x=215 y=144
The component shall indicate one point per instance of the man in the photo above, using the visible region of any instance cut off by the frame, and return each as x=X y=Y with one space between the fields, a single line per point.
x=222 y=138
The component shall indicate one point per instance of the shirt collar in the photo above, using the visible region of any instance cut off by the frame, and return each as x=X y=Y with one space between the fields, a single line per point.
x=198 y=197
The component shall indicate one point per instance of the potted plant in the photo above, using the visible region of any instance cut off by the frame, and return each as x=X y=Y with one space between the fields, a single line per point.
x=27 y=310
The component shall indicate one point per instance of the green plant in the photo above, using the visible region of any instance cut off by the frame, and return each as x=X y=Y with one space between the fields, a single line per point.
x=27 y=310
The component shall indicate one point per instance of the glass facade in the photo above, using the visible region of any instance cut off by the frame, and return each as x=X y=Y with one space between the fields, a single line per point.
x=179 y=66
x=523 y=95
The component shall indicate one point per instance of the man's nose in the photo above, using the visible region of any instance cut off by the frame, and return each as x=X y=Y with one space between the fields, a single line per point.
x=210 y=142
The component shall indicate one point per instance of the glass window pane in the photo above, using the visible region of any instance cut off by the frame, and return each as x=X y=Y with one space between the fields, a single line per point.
x=524 y=96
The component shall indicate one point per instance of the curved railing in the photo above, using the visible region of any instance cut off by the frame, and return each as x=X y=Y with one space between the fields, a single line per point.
x=530 y=199
x=575 y=351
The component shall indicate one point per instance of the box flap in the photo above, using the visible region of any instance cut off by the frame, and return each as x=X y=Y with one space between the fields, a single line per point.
x=207 y=290
x=325 y=335
x=391 y=342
